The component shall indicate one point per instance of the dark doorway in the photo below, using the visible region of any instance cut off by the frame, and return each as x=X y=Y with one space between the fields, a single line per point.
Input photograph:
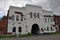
x=20 y=29
x=14 y=29
x=35 y=29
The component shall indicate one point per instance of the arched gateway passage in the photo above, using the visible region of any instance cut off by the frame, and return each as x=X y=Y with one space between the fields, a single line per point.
x=35 y=29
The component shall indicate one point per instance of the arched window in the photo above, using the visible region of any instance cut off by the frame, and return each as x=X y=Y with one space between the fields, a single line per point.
x=20 y=29
x=47 y=28
x=14 y=29
x=51 y=29
x=42 y=29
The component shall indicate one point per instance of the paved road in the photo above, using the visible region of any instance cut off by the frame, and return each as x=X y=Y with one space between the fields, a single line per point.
x=41 y=37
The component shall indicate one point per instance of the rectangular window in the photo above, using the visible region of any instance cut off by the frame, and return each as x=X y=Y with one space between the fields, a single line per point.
x=51 y=19
x=21 y=18
x=34 y=14
x=24 y=18
x=48 y=19
x=45 y=19
x=17 y=18
x=38 y=15
x=13 y=17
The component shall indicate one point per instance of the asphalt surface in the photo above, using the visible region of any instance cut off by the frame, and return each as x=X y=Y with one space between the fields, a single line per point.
x=38 y=37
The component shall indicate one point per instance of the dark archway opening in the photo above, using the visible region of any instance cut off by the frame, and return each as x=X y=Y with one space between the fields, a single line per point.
x=35 y=29
x=20 y=29
x=14 y=29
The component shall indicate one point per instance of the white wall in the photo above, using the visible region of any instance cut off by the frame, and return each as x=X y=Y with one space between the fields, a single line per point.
x=29 y=21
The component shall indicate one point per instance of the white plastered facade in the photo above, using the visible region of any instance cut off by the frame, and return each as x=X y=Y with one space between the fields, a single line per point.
x=26 y=24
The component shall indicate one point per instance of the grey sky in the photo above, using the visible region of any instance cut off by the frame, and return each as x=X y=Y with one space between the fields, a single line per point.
x=53 y=5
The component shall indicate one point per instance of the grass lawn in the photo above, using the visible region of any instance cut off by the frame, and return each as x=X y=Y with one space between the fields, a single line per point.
x=14 y=36
x=55 y=33
x=7 y=36
x=22 y=35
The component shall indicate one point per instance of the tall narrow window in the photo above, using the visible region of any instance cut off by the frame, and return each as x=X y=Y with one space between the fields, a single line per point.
x=20 y=29
x=48 y=19
x=47 y=28
x=30 y=14
x=45 y=19
x=21 y=18
x=38 y=15
x=34 y=14
x=24 y=18
x=13 y=17
x=17 y=18
x=14 y=29
x=51 y=29
x=51 y=19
